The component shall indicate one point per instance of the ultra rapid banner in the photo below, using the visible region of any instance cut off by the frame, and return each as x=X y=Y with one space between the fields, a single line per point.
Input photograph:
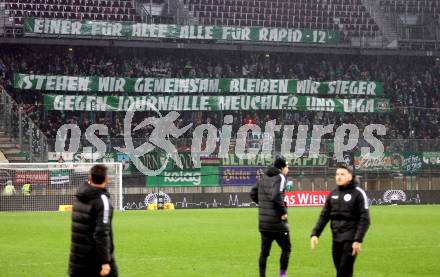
x=171 y=31
x=213 y=103
x=195 y=85
x=262 y=160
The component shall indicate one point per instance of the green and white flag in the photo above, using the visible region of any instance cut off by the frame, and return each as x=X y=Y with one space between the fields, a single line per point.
x=59 y=176
x=431 y=159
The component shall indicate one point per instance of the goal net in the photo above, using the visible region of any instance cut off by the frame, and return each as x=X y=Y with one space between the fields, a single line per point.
x=50 y=186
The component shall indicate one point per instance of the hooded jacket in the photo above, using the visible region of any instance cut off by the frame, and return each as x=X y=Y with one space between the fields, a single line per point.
x=92 y=237
x=268 y=193
x=347 y=208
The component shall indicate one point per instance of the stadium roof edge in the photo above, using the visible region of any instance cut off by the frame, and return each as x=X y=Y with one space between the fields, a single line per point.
x=218 y=46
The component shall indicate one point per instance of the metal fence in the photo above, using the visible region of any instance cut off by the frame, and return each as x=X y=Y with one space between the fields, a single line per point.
x=21 y=129
x=388 y=172
x=406 y=164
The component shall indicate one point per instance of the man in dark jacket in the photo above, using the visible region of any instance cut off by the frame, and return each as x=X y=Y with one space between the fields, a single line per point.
x=91 y=252
x=268 y=193
x=347 y=208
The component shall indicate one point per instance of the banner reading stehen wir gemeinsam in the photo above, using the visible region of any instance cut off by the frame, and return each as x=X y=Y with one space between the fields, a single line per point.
x=195 y=85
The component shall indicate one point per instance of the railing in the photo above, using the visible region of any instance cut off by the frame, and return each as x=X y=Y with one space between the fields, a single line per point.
x=21 y=129
x=407 y=164
x=308 y=173
x=418 y=36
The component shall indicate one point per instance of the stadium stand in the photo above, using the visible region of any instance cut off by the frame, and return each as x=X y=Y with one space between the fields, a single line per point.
x=344 y=15
x=415 y=7
x=363 y=23
x=412 y=84
x=414 y=19
x=119 y=10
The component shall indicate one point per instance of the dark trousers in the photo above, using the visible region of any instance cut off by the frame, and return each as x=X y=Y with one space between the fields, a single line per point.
x=94 y=271
x=343 y=259
x=283 y=240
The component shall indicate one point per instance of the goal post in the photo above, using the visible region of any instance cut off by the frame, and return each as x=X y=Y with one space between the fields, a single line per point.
x=49 y=186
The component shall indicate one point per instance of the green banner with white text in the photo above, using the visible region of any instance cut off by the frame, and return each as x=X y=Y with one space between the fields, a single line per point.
x=213 y=103
x=195 y=85
x=49 y=26
x=205 y=176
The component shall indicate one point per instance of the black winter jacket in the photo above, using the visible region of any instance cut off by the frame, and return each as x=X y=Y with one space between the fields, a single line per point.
x=92 y=237
x=347 y=208
x=268 y=193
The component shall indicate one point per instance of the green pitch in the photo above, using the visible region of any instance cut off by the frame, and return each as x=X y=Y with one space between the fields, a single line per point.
x=402 y=241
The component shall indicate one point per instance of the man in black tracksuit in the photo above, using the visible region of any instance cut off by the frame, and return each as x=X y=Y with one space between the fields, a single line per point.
x=91 y=252
x=347 y=208
x=268 y=193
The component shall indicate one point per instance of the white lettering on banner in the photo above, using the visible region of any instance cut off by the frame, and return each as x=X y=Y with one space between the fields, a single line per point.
x=144 y=85
x=50 y=82
x=72 y=102
x=80 y=103
x=236 y=33
x=175 y=177
x=57 y=26
x=279 y=34
x=266 y=160
x=352 y=87
x=59 y=83
x=101 y=103
x=197 y=85
x=40 y=80
x=140 y=30
x=58 y=103
x=320 y=104
x=38 y=26
x=111 y=84
x=200 y=103
x=152 y=30
x=307 y=87
x=258 y=85
x=176 y=85
x=76 y=28
x=65 y=27
x=246 y=102
x=182 y=103
x=292 y=103
x=196 y=32
x=162 y=30
x=106 y=28
x=204 y=104
x=358 y=105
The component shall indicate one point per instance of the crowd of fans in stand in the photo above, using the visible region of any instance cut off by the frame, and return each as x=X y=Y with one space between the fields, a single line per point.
x=411 y=83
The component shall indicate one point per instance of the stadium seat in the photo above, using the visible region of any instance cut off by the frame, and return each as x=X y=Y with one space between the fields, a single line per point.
x=294 y=14
x=116 y=10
